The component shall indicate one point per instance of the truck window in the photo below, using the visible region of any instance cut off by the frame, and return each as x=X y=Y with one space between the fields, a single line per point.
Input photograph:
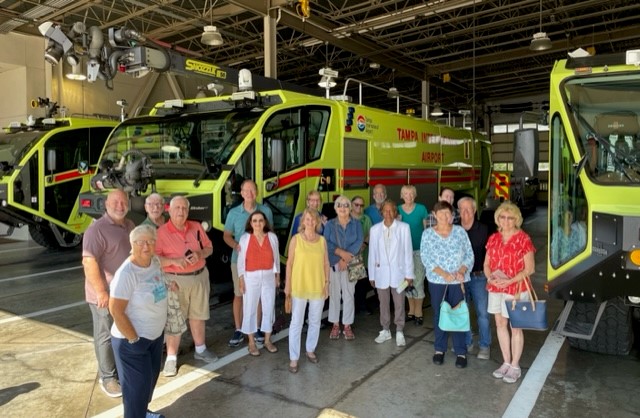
x=70 y=148
x=302 y=132
x=568 y=205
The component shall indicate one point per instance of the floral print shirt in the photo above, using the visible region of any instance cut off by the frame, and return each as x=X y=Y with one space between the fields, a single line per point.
x=448 y=253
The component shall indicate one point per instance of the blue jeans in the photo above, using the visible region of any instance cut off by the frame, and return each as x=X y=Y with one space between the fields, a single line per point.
x=454 y=296
x=476 y=290
x=138 y=370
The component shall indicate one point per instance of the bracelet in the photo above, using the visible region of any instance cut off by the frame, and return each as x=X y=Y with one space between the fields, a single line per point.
x=135 y=340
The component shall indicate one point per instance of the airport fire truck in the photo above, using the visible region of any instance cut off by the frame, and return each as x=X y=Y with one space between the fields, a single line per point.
x=44 y=165
x=289 y=143
x=594 y=199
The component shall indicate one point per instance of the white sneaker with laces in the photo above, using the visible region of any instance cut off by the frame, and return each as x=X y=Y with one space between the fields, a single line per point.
x=385 y=335
x=400 y=342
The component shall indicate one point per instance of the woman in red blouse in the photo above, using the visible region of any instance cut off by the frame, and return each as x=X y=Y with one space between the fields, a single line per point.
x=508 y=262
x=259 y=275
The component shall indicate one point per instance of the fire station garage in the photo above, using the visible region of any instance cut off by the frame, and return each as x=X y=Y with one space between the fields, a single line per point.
x=529 y=107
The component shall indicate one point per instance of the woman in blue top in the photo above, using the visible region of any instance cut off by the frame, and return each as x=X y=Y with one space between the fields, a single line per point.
x=416 y=215
x=447 y=256
x=344 y=239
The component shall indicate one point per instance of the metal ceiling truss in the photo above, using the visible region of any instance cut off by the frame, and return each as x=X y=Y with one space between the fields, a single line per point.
x=482 y=45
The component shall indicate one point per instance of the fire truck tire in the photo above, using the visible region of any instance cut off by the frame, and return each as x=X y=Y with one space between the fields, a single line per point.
x=43 y=236
x=614 y=334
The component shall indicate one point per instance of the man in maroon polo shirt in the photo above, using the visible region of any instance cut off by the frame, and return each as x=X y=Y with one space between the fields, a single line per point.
x=105 y=247
x=182 y=246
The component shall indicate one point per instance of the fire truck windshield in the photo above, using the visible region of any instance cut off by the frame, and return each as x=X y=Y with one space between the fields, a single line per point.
x=182 y=147
x=13 y=146
x=605 y=110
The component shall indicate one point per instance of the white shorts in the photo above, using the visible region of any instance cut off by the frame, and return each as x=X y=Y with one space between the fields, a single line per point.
x=496 y=304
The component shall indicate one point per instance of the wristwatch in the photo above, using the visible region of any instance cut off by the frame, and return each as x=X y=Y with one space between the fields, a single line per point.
x=135 y=340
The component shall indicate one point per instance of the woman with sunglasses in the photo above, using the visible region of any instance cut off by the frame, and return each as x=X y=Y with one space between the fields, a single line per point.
x=344 y=240
x=509 y=261
x=362 y=286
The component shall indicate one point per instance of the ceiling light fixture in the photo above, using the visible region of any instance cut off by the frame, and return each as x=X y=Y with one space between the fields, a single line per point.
x=211 y=36
x=540 y=41
x=437 y=111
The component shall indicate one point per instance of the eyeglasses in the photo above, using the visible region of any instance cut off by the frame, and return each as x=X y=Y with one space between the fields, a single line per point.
x=343 y=205
x=142 y=242
x=506 y=218
x=358 y=205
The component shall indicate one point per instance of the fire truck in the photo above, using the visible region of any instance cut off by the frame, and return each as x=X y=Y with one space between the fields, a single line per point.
x=44 y=165
x=289 y=143
x=594 y=199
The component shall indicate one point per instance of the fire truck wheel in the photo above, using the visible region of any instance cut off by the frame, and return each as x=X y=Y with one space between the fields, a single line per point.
x=44 y=236
x=614 y=334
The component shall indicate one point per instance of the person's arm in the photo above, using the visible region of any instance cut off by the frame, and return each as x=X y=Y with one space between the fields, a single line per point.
x=529 y=268
x=228 y=238
x=117 y=308
x=290 y=257
x=373 y=254
x=242 y=254
x=355 y=240
x=326 y=272
x=96 y=281
x=407 y=250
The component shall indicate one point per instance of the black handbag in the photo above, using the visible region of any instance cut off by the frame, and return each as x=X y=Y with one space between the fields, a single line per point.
x=528 y=314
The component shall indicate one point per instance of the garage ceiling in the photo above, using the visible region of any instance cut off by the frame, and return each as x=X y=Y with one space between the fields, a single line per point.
x=470 y=51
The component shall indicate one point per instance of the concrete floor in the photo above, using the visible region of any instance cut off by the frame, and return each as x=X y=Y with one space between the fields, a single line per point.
x=49 y=370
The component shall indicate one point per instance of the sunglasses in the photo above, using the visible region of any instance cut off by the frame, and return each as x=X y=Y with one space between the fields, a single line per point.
x=343 y=205
x=358 y=205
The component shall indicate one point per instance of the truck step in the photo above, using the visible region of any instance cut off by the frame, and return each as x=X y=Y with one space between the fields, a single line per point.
x=575 y=329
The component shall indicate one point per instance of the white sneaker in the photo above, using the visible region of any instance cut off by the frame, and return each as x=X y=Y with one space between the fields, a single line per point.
x=385 y=335
x=170 y=368
x=400 y=342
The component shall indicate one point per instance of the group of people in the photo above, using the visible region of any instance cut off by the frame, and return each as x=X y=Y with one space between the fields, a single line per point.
x=152 y=278
x=142 y=284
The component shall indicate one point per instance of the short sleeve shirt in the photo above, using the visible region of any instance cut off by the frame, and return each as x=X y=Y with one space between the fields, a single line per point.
x=508 y=257
x=108 y=243
x=237 y=220
x=174 y=243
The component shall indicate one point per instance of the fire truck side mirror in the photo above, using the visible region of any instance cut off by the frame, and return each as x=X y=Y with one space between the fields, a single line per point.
x=51 y=160
x=277 y=155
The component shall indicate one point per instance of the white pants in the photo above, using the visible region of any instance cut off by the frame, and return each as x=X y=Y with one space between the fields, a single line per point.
x=298 y=307
x=259 y=285
x=341 y=287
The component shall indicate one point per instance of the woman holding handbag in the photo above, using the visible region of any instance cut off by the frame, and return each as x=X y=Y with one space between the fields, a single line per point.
x=447 y=256
x=509 y=262
x=344 y=239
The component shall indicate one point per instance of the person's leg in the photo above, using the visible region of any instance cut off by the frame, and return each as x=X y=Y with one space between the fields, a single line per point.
x=237 y=299
x=385 y=314
x=504 y=339
x=398 y=303
x=517 y=345
x=334 y=296
x=134 y=366
x=348 y=301
x=252 y=284
x=295 y=328
x=102 y=322
x=454 y=296
x=418 y=285
x=480 y=302
x=199 y=311
x=313 y=331
x=268 y=301
x=437 y=291
x=155 y=358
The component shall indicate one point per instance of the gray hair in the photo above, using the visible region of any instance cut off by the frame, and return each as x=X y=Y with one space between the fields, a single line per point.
x=144 y=230
x=153 y=196
x=341 y=199
x=175 y=198
x=468 y=199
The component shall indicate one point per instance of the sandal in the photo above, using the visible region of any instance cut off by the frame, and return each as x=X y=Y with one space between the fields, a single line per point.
x=348 y=333
x=253 y=351
x=270 y=347
x=312 y=357
x=293 y=368
x=335 y=332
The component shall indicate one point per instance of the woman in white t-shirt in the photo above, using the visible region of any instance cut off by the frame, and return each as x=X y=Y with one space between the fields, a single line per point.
x=138 y=304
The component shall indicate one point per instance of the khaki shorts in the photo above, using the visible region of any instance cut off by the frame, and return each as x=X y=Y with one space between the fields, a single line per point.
x=496 y=303
x=236 y=280
x=194 y=295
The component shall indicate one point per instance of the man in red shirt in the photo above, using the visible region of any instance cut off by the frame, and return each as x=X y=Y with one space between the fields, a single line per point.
x=182 y=246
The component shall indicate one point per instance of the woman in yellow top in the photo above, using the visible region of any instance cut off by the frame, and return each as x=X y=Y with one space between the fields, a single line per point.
x=307 y=281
